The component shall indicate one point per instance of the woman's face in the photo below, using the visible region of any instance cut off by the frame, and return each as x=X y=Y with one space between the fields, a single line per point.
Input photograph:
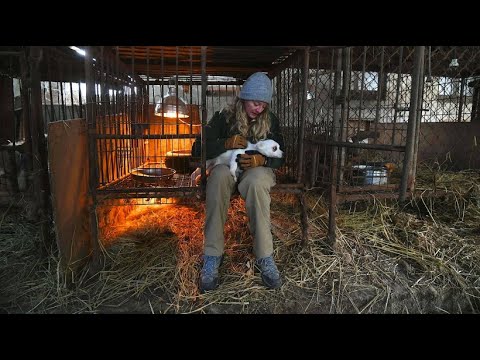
x=254 y=108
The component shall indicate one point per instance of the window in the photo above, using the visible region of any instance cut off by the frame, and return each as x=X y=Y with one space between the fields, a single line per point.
x=367 y=85
x=449 y=88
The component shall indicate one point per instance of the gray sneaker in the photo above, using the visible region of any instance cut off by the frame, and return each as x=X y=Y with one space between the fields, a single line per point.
x=209 y=273
x=269 y=272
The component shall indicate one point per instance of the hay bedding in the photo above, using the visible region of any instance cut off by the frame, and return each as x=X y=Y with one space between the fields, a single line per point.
x=419 y=258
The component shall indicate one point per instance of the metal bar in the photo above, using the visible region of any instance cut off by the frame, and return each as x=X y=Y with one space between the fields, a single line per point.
x=72 y=109
x=462 y=97
x=204 y=120
x=362 y=86
x=346 y=66
x=102 y=121
x=284 y=95
x=146 y=193
x=161 y=93
x=371 y=188
x=380 y=91
x=103 y=89
x=148 y=84
x=219 y=90
x=347 y=144
x=143 y=192
x=125 y=116
x=314 y=149
x=407 y=163
x=52 y=109
x=333 y=167
x=109 y=161
x=191 y=90
x=119 y=113
x=60 y=107
x=64 y=110
x=133 y=136
x=314 y=115
x=176 y=89
x=288 y=109
x=80 y=99
x=397 y=93
x=303 y=105
x=197 y=82
x=93 y=164
x=418 y=124
x=211 y=103
x=133 y=117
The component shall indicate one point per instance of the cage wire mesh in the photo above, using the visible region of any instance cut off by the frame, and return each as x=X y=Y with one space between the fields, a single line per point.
x=448 y=135
x=143 y=151
x=377 y=106
x=359 y=98
x=286 y=103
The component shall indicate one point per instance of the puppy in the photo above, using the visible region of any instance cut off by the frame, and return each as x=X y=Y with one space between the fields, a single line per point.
x=269 y=148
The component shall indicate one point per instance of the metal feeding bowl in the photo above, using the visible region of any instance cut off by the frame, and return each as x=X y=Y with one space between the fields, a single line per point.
x=152 y=173
x=183 y=152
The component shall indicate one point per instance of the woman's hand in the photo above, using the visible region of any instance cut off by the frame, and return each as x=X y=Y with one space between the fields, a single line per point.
x=247 y=161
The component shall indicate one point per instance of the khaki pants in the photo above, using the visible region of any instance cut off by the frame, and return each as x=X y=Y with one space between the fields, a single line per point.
x=254 y=188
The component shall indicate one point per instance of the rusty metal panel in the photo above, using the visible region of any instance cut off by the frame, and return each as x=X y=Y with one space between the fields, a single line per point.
x=68 y=164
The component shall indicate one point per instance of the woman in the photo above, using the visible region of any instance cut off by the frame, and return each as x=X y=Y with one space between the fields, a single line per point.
x=248 y=118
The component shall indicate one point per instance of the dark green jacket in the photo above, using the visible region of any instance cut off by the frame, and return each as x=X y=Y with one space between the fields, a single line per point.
x=217 y=131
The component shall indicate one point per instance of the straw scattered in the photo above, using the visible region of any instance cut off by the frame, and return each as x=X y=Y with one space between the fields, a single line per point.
x=418 y=257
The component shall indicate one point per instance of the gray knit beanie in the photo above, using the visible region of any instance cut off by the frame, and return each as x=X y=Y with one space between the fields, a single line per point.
x=258 y=87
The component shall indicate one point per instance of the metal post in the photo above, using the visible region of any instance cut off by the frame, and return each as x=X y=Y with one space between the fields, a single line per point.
x=300 y=178
x=303 y=115
x=412 y=116
x=346 y=65
x=333 y=167
x=418 y=123
x=39 y=148
x=204 y=119
x=96 y=262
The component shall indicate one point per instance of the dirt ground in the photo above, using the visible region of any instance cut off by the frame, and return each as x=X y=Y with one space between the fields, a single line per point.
x=386 y=259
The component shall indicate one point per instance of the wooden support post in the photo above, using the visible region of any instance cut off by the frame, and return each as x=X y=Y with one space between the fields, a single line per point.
x=41 y=186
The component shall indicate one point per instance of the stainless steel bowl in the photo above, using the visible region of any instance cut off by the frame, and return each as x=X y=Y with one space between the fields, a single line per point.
x=152 y=173
x=183 y=152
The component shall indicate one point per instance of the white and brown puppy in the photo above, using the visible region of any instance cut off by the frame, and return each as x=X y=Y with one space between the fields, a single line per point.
x=269 y=148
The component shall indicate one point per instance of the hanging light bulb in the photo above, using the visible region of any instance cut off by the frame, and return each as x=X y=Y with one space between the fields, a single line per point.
x=454 y=62
x=172 y=105
x=429 y=74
